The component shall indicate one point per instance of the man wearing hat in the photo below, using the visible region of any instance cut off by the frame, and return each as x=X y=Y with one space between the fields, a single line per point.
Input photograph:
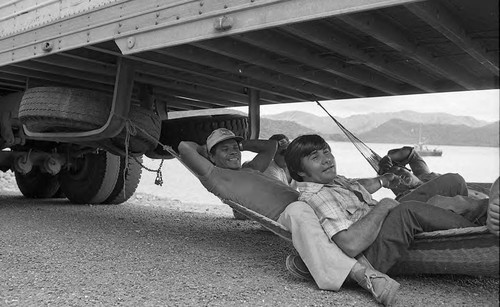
x=224 y=175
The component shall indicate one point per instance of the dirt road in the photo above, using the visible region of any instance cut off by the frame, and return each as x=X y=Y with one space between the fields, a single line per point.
x=154 y=252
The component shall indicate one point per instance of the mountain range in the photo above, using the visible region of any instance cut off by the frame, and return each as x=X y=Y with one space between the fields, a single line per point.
x=366 y=122
x=403 y=127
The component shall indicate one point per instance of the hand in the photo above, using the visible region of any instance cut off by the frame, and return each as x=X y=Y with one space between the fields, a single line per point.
x=407 y=178
x=391 y=180
x=388 y=203
x=283 y=143
x=385 y=165
x=492 y=222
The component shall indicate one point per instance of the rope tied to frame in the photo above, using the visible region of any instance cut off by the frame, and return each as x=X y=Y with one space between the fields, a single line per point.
x=131 y=130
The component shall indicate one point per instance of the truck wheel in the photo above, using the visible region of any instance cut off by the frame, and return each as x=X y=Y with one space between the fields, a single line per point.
x=36 y=184
x=197 y=129
x=127 y=183
x=57 y=109
x=92 y=179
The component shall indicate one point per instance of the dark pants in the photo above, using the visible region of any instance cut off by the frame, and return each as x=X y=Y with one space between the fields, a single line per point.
x=444 y=185
x=450 y=185
x=401 y=226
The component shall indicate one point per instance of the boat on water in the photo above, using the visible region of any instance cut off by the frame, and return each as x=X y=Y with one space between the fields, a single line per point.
x=424 y=151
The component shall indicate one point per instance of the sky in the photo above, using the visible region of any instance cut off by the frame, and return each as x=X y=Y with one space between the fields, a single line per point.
x=482 y=105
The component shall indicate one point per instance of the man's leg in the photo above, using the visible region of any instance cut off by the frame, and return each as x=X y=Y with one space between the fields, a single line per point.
x=400 y=227
x=474 y=210
x=326 y=262
x=444 y=185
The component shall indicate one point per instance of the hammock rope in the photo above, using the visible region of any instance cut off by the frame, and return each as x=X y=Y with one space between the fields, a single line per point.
x=371 y=156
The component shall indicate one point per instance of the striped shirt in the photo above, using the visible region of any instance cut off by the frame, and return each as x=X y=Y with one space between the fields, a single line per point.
x=338 y=205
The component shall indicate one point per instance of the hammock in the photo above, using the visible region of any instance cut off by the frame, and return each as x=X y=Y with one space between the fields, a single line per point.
x=465 y=251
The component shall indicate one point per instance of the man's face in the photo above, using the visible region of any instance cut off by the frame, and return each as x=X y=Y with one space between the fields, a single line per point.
x=227 y=155
x=319 y=167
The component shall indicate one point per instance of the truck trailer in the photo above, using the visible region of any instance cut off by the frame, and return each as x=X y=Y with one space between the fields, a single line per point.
x=87 y=86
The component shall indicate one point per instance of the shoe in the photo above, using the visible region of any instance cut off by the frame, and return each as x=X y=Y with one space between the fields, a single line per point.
x=401 y=156
x=382 y=287
x=297 y=267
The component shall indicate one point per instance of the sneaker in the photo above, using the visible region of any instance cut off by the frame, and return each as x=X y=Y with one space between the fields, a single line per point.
x=297 y=267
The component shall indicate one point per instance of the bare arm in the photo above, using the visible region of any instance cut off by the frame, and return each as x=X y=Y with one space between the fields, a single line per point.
x=372 y=185
x=195 y=157
x=360 y=235
x=265 y=150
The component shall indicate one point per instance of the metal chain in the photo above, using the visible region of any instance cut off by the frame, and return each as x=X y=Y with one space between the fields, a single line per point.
x=159 y=176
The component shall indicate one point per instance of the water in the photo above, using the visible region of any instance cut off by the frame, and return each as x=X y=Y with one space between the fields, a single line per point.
x=475 y=164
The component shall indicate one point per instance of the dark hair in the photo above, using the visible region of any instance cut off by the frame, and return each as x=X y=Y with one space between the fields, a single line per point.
x=299 y=148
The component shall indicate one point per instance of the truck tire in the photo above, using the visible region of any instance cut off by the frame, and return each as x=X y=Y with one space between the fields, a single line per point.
x=197 y=129
x=36 y=184
x=127 y=183
x=92 y=179
x=57 y=109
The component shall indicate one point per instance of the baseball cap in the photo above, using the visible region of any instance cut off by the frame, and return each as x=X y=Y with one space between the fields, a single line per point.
x=219 y=135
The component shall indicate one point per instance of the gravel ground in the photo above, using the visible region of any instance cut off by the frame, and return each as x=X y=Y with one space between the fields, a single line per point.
x=158 y=252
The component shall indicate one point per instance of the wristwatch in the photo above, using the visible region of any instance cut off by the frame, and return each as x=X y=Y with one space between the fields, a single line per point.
x=381 y=182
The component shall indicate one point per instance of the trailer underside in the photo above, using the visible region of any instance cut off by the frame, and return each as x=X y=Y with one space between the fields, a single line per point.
x=409 y=48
